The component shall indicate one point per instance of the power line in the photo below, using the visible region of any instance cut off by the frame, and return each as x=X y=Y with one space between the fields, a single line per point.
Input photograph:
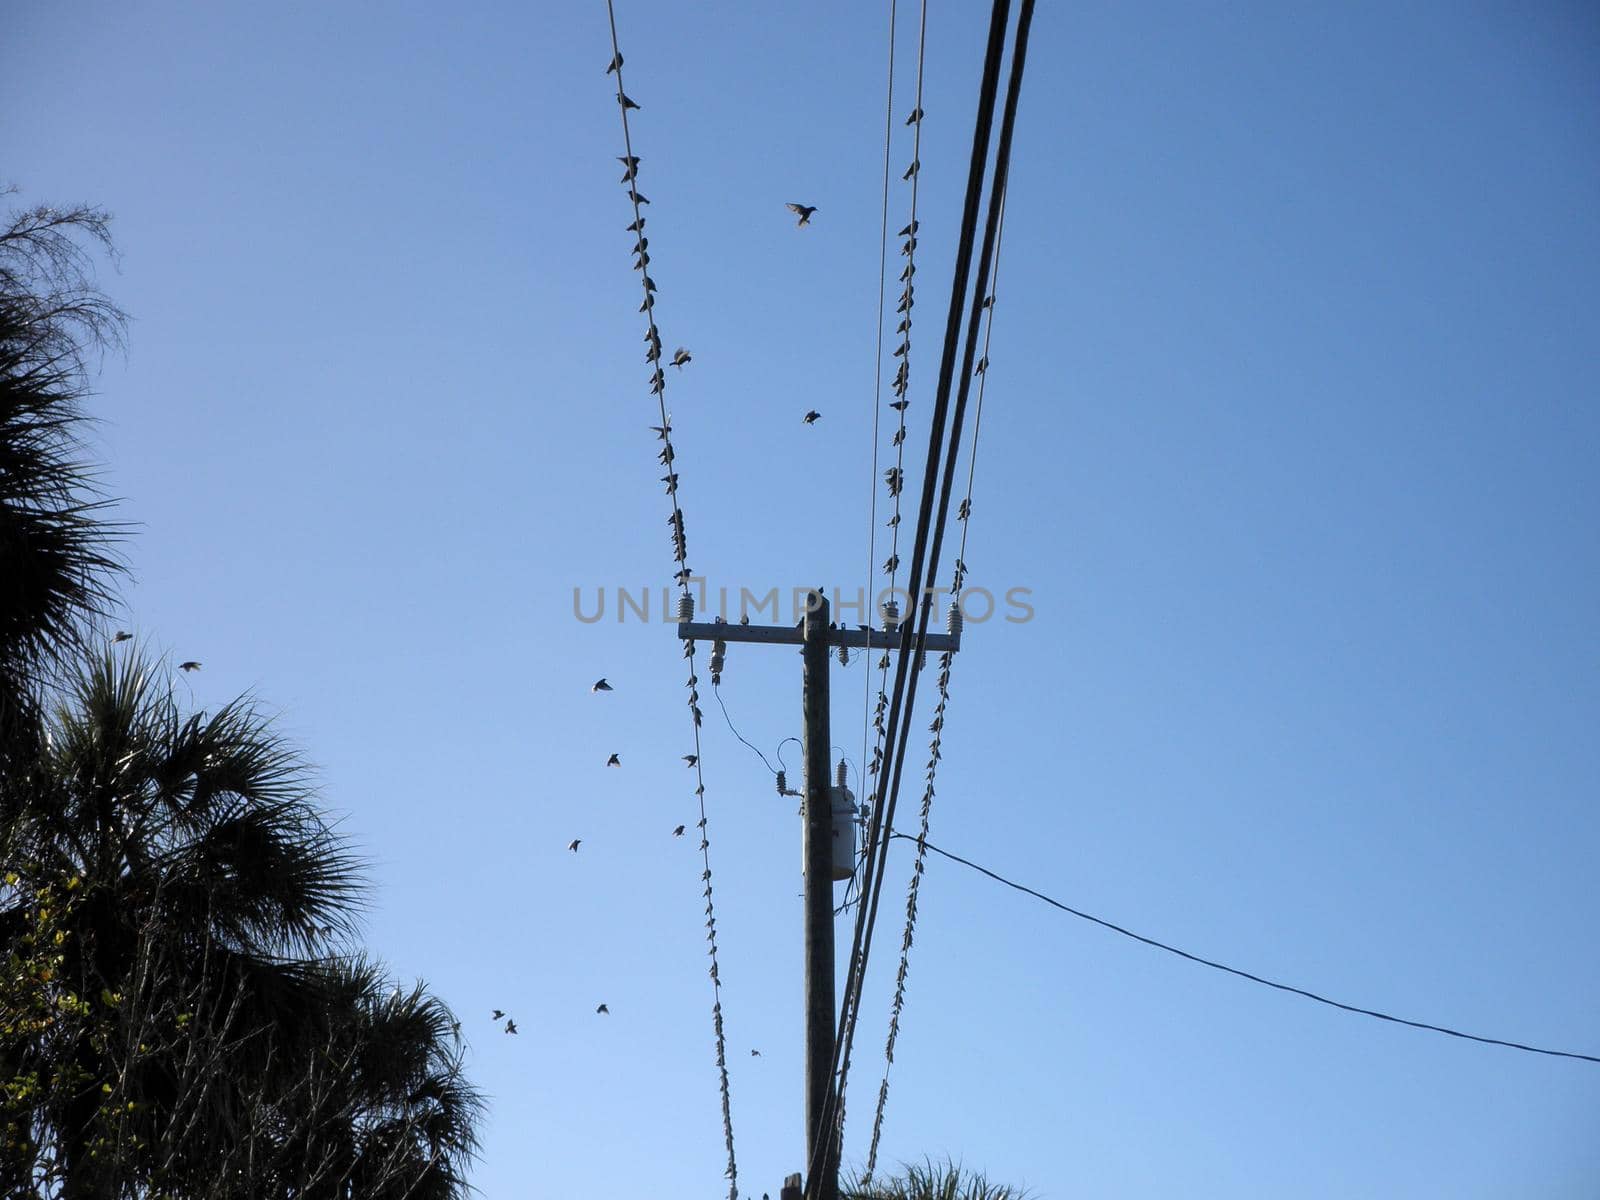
x=668 y=458
x=936 y=727
x=1271 y=983
x=925 y=554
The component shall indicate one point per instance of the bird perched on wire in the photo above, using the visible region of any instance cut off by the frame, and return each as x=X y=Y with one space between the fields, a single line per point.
x=574 y=844
x=511 y=1026
x=191 y=665
x=812 y=417
x=678 y=832
x=626 y=103
x=916 y=113
x=616 y=63
x=601 y=686
x=602 y=1010
x=909 y=229
x=681 y=356
x=614 y=761
x=630 y=164
x=805 y=211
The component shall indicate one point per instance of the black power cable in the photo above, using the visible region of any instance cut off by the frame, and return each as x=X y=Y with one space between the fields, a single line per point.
x=1271 y=983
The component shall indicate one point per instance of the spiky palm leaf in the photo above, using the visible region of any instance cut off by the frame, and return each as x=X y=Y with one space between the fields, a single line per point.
x=929 y=1180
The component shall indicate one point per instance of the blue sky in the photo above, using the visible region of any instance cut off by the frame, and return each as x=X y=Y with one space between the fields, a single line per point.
x=1291 y=429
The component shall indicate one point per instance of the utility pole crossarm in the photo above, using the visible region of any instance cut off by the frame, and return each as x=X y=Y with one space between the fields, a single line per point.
x=794 y=635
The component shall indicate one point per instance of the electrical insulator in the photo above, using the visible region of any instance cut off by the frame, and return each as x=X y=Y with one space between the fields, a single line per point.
x=685 y=608
x=891 y=615
x=953 y=620
x=783 y=784
x=840 y=777
x=719 y=653
x=844 y=656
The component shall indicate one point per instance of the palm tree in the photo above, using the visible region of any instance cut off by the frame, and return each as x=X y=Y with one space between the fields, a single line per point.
x=56 y=561
x=235 y=1052
x=930 y=1181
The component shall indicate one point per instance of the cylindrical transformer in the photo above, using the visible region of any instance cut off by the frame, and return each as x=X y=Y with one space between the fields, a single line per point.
x=843 y=804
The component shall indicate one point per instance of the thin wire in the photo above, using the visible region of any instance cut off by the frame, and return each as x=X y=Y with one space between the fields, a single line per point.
x=935 y=745
x=668 y=457
x=716 y=690
x=1282 y=987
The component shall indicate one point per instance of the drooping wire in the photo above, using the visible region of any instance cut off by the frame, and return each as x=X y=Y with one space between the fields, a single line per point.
x=935 y=744
x=716 y=690
x=1271 y=983
x=668 y=458
x=908 y=669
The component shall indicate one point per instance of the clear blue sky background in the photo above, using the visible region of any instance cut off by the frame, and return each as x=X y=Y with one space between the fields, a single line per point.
x=1292 y=428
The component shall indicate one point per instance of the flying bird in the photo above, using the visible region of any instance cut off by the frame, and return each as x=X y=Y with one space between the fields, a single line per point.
x=511 y=1026
x=812 y=417
x=805 y=211
x=122 y=635
x=681 y=356
x=601 y=686
x=603 y=1011
x=191 y=665
x=574 y=844
x=616 y=63
x=497 y=1015
x=690 y=759
x=614 y=761
x=755 y=1054
x=678 y=832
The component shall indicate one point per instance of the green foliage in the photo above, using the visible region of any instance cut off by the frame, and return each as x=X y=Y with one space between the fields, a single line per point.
x=181 y=1017
x=929 y=1181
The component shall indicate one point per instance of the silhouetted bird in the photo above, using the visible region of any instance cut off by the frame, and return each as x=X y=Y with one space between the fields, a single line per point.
x=616 y=63
x=988 y=302
x=661 y=431
x=497 y=1015
x=899 y=405
x=909 y=229
x=691 y=759
x=511 y=1026
x=614 y=761
x=912 y=169
x=755 y=1054
x=636 y=226
x=603 y=1010
x=812 y=417
x=630 y=166
x=916 y=115
x=637 y=197
x=191 y=665
x=574 y=844
x=678 y=832
x=625 y=102
x=681 y=356
x=601 y=686
x=805 y=211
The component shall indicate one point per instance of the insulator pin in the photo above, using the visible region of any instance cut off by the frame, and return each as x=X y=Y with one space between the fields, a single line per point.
x=719 y=654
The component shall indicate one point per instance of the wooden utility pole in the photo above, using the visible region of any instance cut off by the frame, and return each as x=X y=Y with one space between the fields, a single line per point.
x=816 y=639
x=818 y=904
